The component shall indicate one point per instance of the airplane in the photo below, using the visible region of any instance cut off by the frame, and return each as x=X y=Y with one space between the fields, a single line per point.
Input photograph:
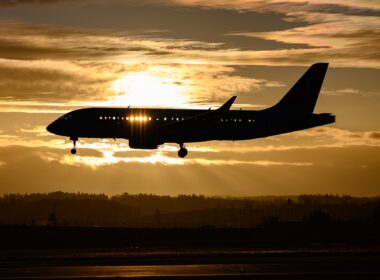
x=147 y=128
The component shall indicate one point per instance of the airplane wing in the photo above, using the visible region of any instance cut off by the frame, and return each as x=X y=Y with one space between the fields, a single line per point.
x=206 y=115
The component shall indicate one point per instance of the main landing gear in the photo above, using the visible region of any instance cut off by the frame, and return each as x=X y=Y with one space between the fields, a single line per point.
x=74 y=150
x=182 y=151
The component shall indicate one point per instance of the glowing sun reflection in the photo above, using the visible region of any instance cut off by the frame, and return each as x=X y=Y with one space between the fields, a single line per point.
x=150 y=88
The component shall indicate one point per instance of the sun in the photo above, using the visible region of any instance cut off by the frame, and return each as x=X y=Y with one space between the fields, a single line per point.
x=150 y=88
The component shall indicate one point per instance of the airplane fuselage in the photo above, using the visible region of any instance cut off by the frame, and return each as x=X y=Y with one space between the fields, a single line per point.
x=148 y=128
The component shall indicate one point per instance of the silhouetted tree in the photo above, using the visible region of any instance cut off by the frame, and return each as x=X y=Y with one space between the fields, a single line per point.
x=148 y=210
x=318 y=217
x=157 y=216
x=376 y=213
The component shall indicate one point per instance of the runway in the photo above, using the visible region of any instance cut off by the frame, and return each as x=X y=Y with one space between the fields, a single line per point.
x=269 y=267
x=104 y=253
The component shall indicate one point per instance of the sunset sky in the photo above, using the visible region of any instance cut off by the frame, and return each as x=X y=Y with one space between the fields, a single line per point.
x=57 y=56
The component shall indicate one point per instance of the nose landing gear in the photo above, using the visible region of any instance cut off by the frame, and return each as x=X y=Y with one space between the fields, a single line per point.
x=74 y=150
x=182 y=151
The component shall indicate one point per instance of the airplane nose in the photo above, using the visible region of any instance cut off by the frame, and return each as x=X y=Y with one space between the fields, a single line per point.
x=51 y=128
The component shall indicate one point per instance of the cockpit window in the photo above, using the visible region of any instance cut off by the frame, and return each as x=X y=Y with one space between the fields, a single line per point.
x=67 y=117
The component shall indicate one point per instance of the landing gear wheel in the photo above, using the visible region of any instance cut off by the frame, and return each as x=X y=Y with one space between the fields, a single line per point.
x=74 y=150
x=182 y=152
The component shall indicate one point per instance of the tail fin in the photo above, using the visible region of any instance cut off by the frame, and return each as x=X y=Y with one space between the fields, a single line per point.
x=302 y=97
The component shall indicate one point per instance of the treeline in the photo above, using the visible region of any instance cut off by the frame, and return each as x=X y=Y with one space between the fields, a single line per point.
x=147 y=210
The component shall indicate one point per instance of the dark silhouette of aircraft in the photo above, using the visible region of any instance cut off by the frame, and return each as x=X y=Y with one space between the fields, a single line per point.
x=148 y=128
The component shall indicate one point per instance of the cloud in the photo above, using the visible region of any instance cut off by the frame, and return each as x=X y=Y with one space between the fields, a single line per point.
x=158 y=158
x=21 y=2
x=325 y=170
x=349 y=92
x=334 y=6
x=341 y=32
x=51 y=81
x=47 y=67
x=47 y=86
x=38 y=131
x=70 y=72
x=223 y=168
x=30 y=130
x=344 y=5
x=340 y=39
x=341 y=92
x=55 y=67
x=96 y=153
x=335 y=137
x=373 y=135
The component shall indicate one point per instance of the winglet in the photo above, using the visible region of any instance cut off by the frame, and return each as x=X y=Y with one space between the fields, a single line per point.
x=226 y=106
x=208 y=114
